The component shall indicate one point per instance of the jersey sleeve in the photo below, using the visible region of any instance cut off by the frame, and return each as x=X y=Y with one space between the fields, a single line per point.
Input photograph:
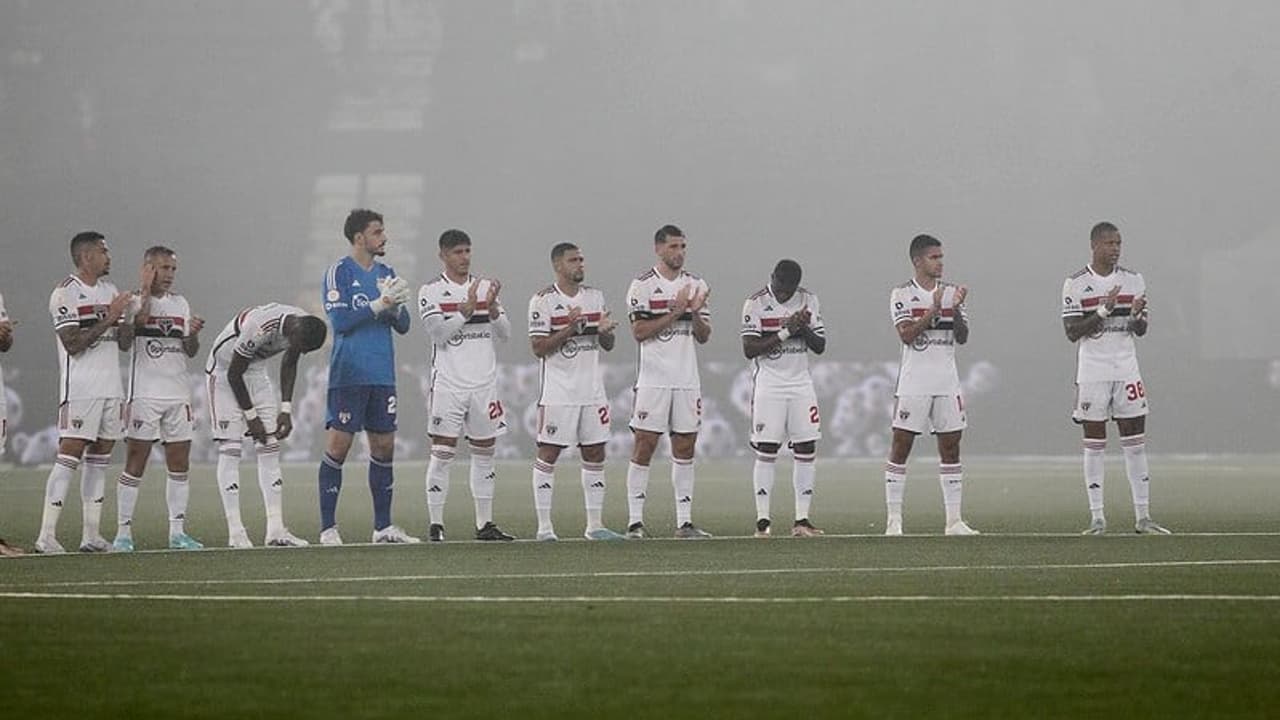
x=751 y=318
x=250 y=339
x=898 y=310
x=815 y=316
x=4 y=315
x=338 y=302
x=539 y=318
x=1141 y=291
x=427 y=305
x=1071 y=307
x=63 y=309
x=637 y=305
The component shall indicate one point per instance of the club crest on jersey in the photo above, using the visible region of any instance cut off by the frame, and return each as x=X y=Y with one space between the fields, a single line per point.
x=165 y=325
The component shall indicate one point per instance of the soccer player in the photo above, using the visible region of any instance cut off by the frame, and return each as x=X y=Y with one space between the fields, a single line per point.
x=463 y=319
x=1104 y=307
x=242 y=401
x=166 y=334
x=569 y=324
x=669 y=318
x=364 y=300
x=781 y=325
x=6 y=342
x=87 y=311
x=930 y=318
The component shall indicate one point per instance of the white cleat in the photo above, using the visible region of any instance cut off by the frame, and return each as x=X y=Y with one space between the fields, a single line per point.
x=284 y=538
x=960 y=527
x=392 y=534
x=893 y=527
x=1147 y=526
x=546 y=536
x=330 y=536
x=49 y=545
x=95 y=544
x=1097 y=526
x=239 y=539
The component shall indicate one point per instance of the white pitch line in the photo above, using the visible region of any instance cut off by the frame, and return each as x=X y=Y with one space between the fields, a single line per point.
x=655 y=599
x=615 y=574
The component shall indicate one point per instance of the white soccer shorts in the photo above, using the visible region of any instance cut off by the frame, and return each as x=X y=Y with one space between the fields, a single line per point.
x=663 y=410
x=475 y=414
x=97 y=419
x=929 y=413
x=1103 y=401
x=226 y=420
x=777 y=419
x=570 y=425
x=169 y=421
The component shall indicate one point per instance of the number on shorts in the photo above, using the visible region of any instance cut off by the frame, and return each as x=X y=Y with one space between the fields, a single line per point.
x=603 y=412
x=495 y=410
x=1134 y=390
x=813 y=414
x=391 y=405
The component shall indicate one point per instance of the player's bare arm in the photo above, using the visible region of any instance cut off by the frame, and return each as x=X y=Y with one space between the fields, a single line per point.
x=701 y=325
x=78 y=339
x=545 y=345
x=605 y=329
x=6 y=335
x=644 y=328
x=1138 y=323
x=960 y=327
x=1078 y=327
x=235 y=378
x=191 y=343
x=288 y=376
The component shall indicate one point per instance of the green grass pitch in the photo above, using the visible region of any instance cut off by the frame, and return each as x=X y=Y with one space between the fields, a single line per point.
x=1029 y=620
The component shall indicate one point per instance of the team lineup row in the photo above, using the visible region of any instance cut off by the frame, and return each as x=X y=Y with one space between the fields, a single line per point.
x=1104 y=309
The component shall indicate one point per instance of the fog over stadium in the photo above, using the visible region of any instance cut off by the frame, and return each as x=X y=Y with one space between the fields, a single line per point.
x=241 y=133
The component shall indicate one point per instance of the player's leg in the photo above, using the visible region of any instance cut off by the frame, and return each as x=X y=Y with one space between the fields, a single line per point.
x=270 y=477
x=910 y=418
x=177 y=493
x=380 y=429
x=447 y=412
x=137 y=450
x=65 y=465
x=344 y=417
x=592 y=435
x=228 y=427
x=486 y=421
x=768 y=428
x=6 y=550
x=686 y=420
x=804 y=428
x=544 y=481
x=1133 y=443
x=93 y=473
x=1092 y=409
x=650 y=418
x=948 y=419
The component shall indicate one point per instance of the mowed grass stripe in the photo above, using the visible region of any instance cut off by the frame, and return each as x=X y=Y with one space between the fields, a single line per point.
x=658 y=599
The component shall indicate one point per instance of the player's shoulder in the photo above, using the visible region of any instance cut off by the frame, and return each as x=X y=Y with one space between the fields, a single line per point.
x=758 y=294
x=548 y=290
x=902 y=289
x=692 y=276
x=647 y=275
x=1127 y=271
x=68 y=281
x=433 y=281
x=1079 y=273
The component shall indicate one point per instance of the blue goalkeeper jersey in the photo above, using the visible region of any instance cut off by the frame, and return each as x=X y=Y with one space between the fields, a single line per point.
x=362 y=350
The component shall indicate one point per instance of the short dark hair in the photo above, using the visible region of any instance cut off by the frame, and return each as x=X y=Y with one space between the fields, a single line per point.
x=787 y=272
x=156 y=250
x=82 y=241
x=450 y=239
x=921 y=243
x=560 y=249
x=1102 y=228
x=357 y=221
x=666 y=231
x=312 y=331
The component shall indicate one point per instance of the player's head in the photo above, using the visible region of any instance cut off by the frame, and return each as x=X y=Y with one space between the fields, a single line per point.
x=455 y=253
x=670 y=245
x=926 y=256
x=90 y=254
x=1104 y=240
x=785 y=279
x=568 y=262
x=165 y=262
x=305 y=332
x=363 y=228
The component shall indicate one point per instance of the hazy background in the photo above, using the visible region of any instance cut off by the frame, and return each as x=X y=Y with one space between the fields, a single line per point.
x=240 y=133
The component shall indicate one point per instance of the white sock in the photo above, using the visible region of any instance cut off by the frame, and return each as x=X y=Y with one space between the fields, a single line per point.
x=483 y=478
x=229 y=485
x=682 y=483
x=1135 y=467
x=176 y=495
x=544 y=483
x=895 y=487
x=1095 y=457
x=763 y=472
x=951 y=478
x=637 y=486
x=55 y=492
x=593 y=487
x=126 y=501
x=803 y=475
x=93 y=487
x=438 y=481
x=271 y=483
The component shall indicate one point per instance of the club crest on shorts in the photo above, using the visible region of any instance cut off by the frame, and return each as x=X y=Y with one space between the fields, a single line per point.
x=1085 y=406
x=904 y=414
x=344 y=417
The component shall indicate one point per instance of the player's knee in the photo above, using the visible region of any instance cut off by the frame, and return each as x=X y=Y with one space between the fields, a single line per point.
x=592 y=453
x=766 y=451
x=229 y=449
x=549 y=454
x=805 y=448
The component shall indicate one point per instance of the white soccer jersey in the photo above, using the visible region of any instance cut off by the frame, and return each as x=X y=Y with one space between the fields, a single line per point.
x=929 y=364
x=95 y=372
x=1110 y=354
x=158 y=366
x=256 y=333
x=785 y=368
x=467 y=360
x=670 y=358
x=572 y=375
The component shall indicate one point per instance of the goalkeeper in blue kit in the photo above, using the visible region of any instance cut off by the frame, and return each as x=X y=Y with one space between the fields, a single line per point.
x=364 y=300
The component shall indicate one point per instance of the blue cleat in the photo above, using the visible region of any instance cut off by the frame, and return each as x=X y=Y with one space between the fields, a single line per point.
x=183 y=541
x=120 y=544
x=603 y=533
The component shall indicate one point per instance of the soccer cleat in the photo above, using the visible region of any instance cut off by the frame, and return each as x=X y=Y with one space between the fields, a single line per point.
x=7 y=550
x=122 y=543
x=49 y=545
x=490 y=531
x=547 y=536
x=763 y=528
x=239 y=539
x=804 y=528
x=392 y=534
x=603 y=534
x=960 y=527
x=284 y=538
x=183 y=541
x=1097 y=526
x=96 y=544
x=689 y=531
x=435 y=533
x=329 y=536
x=1147 y=526
x=636 y=531
x=893 y=527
